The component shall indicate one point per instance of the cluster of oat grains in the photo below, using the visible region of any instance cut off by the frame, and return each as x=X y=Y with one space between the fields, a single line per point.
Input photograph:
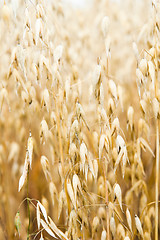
x=79 y=120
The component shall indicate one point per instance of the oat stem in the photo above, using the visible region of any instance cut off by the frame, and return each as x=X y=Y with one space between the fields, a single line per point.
x=59 y=136
x=28 y=230
x=107 y=210
x=157 y=178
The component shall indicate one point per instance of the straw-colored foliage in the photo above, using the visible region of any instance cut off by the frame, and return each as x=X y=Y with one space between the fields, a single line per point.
x=79 y=120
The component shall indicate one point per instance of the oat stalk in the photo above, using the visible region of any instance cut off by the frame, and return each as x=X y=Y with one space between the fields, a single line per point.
x=157 y=179
x=28 y=230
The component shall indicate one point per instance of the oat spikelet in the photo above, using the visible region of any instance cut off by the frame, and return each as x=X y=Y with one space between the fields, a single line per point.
x=95 y=225
x=45 y=167
x=113 y=88
x=113 y=226
x=30 y=149
x=130 y=115
x=118 y=194
x=24 y=174
x=105 y=25
x=47 y=229
x=58 y=53
x=96 y=75
x=59 y=233
x=71 y=193
x=138 y=225
x=129 y=220
x=83 y=155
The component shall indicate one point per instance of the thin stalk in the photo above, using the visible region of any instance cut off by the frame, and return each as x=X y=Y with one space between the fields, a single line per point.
x=157 y=179
x=107 y=210
x=28 y=230
x=59 y=137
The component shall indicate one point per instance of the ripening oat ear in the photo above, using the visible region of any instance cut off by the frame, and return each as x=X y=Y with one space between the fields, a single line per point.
x=138 y=225
x=83 y=155
x=96 y=75
x=47 y=229
x=20 y=55
x=6 y=13
x=58 y=51
x=111 y=106
x=44 y=131
x=45 y=167
x=43 y=210
x=40 y=11
x=152 y=71
x=115 y=126
x=118 y=194
x=76 y=184
x=41 y=238
x=53 y=191
x=120 y=231
x=104 y=235
x=112 y=88
x=135 y=50
x=144 y=145
x=38 y=30
x=3 y=96
x=126 y=238
x=143 y=66
x=45 y=100
x=59 y=233
x=38 y=216
x=105 y=26
x=80 y=113
x=122 y=154
x=71 y=193
x=155 y=107
x=113 y=226
x=130 y=115
x=25 y=171
x=140 y=77
x=129 y=219
x=95 y=225
x=144 y=106
x=30 y=149
x=101 y=145
x=61 y=199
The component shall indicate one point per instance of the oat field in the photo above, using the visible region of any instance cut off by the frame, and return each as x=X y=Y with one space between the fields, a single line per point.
x=79 y=120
